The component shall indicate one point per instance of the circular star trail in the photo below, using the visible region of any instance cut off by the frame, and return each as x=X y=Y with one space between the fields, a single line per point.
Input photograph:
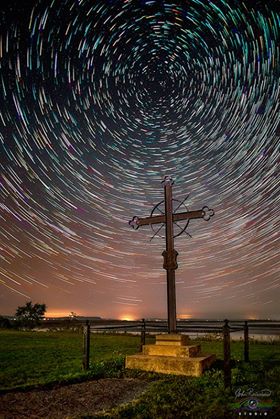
x=100 y=100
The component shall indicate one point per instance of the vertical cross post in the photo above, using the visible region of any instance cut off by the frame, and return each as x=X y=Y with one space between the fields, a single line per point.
x=170 y=255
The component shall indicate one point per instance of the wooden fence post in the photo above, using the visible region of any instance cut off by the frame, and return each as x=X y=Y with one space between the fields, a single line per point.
x=227 y=370
x=246 y=342
x=143 y=334
x=86 y=345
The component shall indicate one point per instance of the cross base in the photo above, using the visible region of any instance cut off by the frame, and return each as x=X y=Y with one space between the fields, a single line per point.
x=171 y=355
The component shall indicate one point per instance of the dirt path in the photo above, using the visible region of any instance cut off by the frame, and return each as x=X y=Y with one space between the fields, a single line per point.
x=71 y=401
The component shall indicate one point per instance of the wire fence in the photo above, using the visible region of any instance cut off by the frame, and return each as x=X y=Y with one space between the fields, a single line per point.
x=225 y=328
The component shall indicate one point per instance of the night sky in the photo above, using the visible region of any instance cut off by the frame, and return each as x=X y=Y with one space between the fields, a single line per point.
x=99 y=100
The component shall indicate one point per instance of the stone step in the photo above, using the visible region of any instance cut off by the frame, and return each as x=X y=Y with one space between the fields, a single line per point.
x=170 y=364
x=171 y=350
x=172 y=339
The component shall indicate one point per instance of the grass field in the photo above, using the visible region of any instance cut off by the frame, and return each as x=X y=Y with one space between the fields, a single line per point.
x=30 y=358
x=40 y=358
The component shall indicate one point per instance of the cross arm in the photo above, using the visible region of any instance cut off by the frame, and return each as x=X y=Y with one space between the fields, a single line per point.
x=136 y=222
x=204 y=213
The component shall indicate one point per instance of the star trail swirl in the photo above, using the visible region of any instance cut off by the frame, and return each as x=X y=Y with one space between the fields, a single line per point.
x=100 y=100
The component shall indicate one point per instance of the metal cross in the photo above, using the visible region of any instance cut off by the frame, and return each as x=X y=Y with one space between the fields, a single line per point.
x=170 y=254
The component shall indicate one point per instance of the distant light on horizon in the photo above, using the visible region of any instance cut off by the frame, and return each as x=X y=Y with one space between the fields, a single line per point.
x=184 y=316
x=252 y=317
x=55 y=313
x=128 y=317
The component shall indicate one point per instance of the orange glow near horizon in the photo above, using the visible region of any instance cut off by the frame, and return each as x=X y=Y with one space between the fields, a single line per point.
x=56 y=313
x=252 y=317
x=184 y=316
x=127 y=317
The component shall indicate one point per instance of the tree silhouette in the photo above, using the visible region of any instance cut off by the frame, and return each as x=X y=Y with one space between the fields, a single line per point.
x=73 y=315
x=30 y=314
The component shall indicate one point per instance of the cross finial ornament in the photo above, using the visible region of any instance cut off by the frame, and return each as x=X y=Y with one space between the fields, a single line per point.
x=167 y=180
x=168 y=218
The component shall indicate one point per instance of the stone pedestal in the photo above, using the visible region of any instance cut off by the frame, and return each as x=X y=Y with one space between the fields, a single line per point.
x=172 y=354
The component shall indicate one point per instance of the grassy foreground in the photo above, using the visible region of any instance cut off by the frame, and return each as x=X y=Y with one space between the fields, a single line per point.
x=31 y=358
x=38 y=358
